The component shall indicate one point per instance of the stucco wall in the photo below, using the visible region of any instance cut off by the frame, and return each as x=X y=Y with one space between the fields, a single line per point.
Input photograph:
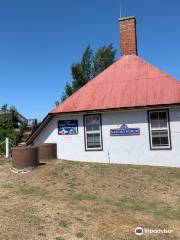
x=116 y=149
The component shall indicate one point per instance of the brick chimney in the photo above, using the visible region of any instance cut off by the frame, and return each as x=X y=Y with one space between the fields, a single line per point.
x=128 y=40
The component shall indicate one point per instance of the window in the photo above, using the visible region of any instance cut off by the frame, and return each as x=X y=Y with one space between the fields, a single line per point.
x=92 y=131
x=159 y=129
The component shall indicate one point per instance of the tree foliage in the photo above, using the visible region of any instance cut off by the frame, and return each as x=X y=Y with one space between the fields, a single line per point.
x=4 y=107
x=89 y=66
x=6 y=131
x=7 y=126
x=103 y=58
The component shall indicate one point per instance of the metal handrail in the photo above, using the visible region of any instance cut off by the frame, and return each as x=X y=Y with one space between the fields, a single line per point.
x=19 y=117
x=34 y=126
x=18 y=137
x=2 y=142
x=24 y=122
x=33 y=123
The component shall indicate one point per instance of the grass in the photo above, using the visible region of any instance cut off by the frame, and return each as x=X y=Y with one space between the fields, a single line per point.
x=7 y=185
x=4 y=161
x=65 y=200
x=26 y=189
x=81 y=196
x=79 y=235
x=30 y=216
x=63 y=223
x=155 y=208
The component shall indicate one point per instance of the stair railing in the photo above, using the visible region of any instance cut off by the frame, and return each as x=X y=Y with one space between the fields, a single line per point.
x=34 y=125
x=32 y=122
x=18 y=137
x=19 y=117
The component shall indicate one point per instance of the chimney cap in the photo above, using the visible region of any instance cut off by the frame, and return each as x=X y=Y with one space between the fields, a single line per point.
x=126 y=18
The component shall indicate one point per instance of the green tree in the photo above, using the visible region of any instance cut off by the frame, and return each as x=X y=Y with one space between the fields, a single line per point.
x=13 y=108
x=89 y=66
x=8 y=125
x=103 y=58
x=68 y=89
x=82 y=72
x=6 y=122
x=68 y=92
x=6 y=130
x=4 y=107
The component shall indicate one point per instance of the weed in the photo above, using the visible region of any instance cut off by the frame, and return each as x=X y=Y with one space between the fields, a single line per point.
x=42 y=234
x=63 y=223
x=81 y=196
x=25 y=189
x=79 y=219
x=79 y=235
x=59 y=238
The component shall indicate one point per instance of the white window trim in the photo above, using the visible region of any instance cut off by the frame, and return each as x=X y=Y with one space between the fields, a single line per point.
x=95 y=131
x=168 y=147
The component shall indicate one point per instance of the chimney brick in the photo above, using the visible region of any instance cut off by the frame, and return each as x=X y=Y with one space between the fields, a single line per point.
x=128 y=40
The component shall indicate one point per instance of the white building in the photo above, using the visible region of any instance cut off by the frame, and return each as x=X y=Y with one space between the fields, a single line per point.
x=129 y=113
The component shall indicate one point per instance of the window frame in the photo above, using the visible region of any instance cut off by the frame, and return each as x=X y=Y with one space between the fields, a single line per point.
x=95 y=131
x=169 y=147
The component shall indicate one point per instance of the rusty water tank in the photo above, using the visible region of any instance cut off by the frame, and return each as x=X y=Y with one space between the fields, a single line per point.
x=25 y=157
x=47 y=151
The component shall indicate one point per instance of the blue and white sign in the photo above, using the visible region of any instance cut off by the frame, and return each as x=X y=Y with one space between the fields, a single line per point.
x=67 y=127
x=124 y=131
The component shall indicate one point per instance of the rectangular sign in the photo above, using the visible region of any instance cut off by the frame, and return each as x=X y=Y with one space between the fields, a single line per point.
x=124 y=131
x=67 y=127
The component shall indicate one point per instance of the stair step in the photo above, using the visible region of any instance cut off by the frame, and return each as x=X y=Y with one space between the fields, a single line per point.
x=29 y=126
x=23 y=139
x=26 y=133
x=21 y=144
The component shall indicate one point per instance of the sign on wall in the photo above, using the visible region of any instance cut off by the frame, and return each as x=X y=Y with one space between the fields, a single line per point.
x=125 y=131
x=67 y=127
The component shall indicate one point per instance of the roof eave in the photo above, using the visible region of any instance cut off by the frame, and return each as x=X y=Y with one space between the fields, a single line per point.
x=42 y=125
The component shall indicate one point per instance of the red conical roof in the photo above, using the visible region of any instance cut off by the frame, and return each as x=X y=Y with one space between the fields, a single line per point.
x=129 y=82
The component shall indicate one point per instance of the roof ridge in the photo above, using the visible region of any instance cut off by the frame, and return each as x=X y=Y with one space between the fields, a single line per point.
x=157 y=68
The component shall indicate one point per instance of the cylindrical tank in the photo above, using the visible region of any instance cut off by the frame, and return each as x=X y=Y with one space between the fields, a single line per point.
x=25 y=157
x=47 y=151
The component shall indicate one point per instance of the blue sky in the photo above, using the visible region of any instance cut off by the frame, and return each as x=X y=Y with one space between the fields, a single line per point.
x=40 y=39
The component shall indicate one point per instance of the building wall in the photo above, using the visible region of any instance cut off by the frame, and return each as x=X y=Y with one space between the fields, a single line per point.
x=116 y=149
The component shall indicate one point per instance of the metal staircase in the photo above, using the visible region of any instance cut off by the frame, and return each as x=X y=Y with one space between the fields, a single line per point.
x=27 y=129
